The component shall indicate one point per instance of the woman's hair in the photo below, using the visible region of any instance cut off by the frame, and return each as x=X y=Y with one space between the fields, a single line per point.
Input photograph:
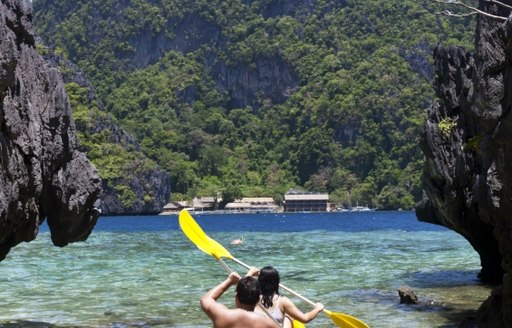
x=269 y=284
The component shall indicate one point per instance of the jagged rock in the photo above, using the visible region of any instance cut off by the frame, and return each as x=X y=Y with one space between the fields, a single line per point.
x=407 y=295
x=466 y=142
x=42 y=175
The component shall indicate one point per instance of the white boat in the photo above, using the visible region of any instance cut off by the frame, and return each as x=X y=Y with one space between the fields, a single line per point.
x=360 y=209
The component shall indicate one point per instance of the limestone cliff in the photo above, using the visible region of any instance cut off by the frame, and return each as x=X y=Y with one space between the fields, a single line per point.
x=42 y=175
x=466 y=141
x=148 y=184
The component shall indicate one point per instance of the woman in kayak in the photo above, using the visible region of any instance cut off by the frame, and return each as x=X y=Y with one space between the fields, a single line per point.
x=280 y=307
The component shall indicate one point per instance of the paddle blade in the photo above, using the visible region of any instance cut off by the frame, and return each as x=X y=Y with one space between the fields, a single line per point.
x=298 y=324
x=345 y=320
x=197 y=236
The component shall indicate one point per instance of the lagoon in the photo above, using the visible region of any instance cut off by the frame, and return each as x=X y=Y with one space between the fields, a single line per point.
x=141 y=271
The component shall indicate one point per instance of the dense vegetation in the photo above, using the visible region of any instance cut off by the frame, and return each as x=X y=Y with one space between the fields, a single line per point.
x=254 y=97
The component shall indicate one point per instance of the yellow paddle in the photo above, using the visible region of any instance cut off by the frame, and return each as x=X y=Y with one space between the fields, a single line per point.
x=298 y=324
x=194 y=232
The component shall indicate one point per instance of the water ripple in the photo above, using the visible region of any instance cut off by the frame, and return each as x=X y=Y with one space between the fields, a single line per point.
x=153 y=277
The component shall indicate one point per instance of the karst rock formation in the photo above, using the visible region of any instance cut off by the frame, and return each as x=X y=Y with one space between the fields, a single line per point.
x=467 y=143
x=43 y=174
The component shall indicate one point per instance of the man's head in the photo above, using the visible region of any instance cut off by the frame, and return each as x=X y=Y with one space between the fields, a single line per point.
x=247 y=292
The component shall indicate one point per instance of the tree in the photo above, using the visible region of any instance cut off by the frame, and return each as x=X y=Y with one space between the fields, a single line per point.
x=229 y=194
x=471 y=10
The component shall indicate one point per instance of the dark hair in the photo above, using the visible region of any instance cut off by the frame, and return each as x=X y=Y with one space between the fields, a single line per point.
x=248 y=291
x=269 y=282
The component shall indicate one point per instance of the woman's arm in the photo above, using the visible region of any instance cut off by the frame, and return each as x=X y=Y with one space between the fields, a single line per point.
x=289 y=308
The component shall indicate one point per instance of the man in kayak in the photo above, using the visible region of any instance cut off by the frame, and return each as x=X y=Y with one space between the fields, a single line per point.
x=247 y=295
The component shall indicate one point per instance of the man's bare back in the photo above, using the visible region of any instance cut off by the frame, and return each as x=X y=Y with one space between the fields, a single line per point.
x=241 y=317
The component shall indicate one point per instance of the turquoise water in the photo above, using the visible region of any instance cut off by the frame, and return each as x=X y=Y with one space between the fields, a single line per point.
x=143 y=272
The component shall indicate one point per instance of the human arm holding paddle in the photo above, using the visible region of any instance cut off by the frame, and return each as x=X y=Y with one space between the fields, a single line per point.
x=290 y=309
x=214 y=310
x=246 y=297
x=218 y=290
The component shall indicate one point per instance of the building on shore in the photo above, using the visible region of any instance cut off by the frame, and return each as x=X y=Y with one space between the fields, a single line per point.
x=295 y=201
x=253 y=205
x=172 y=208
x=198 y=204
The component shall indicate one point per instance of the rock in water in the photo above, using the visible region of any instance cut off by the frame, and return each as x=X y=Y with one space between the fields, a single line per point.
x=43 y=174
x=407 y=295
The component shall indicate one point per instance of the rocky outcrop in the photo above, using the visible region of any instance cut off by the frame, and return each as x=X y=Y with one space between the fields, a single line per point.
x=407 y=295
x=143 y=187
x=270 y=79
x=466 y=142
x=42 y=175
x=149 y=185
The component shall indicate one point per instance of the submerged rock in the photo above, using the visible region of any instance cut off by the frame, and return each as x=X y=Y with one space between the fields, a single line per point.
x=466 y=142
x=43 y=175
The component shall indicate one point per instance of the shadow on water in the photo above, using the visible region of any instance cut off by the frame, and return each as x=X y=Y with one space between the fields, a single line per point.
x=446 y=278
x=27 y=324
x=37 y=324
x=460 y=319
x=456 y=318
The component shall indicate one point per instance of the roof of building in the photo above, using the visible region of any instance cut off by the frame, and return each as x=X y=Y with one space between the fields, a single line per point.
x=209 y=199
x=171 y=206
x=257 y=200
x=196 y=203
x=308 y=196
x=238 y=205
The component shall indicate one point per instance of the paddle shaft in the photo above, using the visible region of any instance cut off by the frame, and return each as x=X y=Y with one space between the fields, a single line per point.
x=280 y=285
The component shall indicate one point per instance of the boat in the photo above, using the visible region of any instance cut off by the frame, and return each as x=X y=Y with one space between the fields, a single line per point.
x=360 y=209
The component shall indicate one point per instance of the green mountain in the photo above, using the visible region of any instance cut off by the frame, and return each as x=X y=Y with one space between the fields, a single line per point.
x=253 y=97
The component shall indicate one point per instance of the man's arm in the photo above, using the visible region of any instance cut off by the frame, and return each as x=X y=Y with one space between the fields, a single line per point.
x=216 y=311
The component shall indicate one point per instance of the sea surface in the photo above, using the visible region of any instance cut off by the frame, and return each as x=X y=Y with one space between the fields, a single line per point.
x=141 y=271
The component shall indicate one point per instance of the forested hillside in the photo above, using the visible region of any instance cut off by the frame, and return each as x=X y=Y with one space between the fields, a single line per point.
x=253 y=97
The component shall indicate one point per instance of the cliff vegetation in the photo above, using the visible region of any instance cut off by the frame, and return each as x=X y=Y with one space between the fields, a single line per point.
x=253 y=97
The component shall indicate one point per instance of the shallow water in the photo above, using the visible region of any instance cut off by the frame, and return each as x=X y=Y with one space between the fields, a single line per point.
x=143 y=272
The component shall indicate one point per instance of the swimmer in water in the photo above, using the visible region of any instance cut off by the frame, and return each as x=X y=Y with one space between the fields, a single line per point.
x=237 y=241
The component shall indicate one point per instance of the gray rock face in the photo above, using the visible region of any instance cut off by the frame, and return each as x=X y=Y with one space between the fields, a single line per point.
x=42 y=174
x=407 y=295
x=468 y=171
